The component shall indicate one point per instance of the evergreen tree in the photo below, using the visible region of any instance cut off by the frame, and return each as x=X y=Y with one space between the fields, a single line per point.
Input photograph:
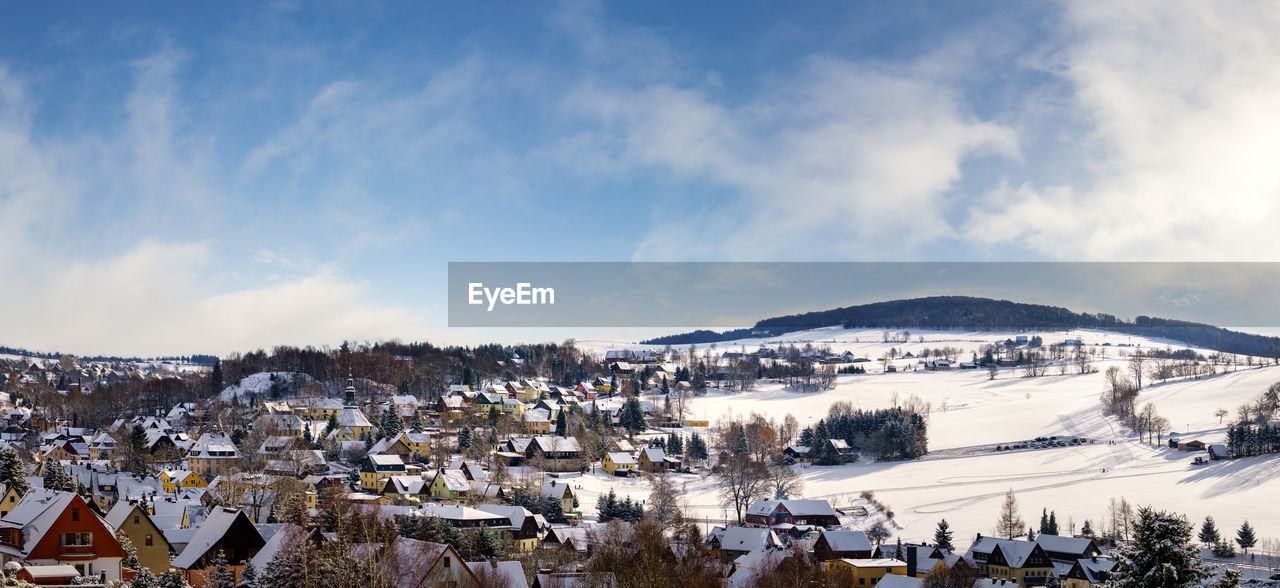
x=632 y=416
x=333 y=424
x=806 y=437
x=1086 y=530
x=1209 y=532
x=215 y=378
x=675 y=445
x=697 y=447
x=1053 y=523
x=306 y=434
x=1245 y=537
x=144 y=579
x=249 y=577
x=821 y=452
x=12 y=473
x=130 y=551
x=1160 y=555
x=464 y=437
x=415 y=424
x=562 y=423
x=221 y=576
x=493 y=416
x=942 y=536
x=391 y=423
x=1044 y=521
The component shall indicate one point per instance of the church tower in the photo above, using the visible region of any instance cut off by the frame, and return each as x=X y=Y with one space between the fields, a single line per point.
x=349 y=398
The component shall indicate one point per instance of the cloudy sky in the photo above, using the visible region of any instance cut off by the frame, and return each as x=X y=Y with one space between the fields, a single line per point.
x=175 y=182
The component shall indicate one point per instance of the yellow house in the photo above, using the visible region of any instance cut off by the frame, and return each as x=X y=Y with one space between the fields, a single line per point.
x=9 y=501
x=536 y=423
x=617 y=460
x=450 y=485
x=146 y=536
x=697 y=423
x=512 y=407
x=419 y=443
x=175 y=479
x=375 y=470
x=1022 y=562
x=863 y=572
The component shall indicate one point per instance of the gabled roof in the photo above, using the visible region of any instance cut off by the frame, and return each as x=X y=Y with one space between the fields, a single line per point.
x=798 y=508
x=516 y=514
x=621 y=458
x=212 y=530
x=506 y=573
x=454 y=480
x=847 y=540
x=744 y=538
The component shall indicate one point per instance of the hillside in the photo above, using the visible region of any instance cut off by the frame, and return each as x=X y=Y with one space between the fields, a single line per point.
x=986 y=314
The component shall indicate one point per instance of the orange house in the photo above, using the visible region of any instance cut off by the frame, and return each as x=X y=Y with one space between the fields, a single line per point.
x=52 y=528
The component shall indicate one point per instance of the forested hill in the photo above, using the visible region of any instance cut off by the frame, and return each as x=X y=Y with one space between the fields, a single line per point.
x=965 y=312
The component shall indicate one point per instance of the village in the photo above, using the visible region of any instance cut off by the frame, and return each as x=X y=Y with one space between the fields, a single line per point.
x=505 y=482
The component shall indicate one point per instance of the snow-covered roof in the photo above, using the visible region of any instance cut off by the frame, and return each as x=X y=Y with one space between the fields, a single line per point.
x=213 y=529
x=847 y=540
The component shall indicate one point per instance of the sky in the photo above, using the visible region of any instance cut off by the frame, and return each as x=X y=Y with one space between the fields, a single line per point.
x=178 y=181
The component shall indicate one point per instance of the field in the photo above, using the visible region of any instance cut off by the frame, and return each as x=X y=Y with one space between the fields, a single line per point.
x=963 y=481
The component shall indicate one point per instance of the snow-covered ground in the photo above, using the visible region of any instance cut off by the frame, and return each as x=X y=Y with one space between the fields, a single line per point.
x=969 y=409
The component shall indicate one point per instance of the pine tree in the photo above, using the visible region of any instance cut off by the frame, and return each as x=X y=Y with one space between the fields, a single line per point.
x=464 y=437
x=415 y=424
x=821 y=452
x=675 y=445
x=1010 y=523
x=1245 y=537
x=144 y=579
x=1209 y=532
x=332 y=424
x=131 y=552
x=12 y=473
x=942 y=536
x=391 y=424
x=306 y=434
x=1053 y=523
x=221 y=576
x=1160 y=555
x=1086 y=530
x=806 y=437
x=215 y=378
x=632 y=417
x=562 y=423
x=1044 y=521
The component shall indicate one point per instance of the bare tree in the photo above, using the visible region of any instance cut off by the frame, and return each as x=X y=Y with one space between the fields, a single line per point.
x=1220 y=413
x=1010 y=523
x=1137 y=367
x=742 y=481
x=784 y=481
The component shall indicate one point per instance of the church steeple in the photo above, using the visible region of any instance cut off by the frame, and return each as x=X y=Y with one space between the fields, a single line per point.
x=349 y=398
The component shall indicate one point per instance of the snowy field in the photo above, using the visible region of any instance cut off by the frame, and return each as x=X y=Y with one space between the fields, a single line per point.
x=968 y=409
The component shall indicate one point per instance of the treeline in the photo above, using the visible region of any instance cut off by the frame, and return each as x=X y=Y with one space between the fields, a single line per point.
x=887 y=434
x=1256 y=430
x=967 y=312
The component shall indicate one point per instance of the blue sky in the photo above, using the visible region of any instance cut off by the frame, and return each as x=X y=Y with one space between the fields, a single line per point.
x=176 y=181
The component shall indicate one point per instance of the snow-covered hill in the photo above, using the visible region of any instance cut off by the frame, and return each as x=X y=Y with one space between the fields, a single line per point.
x=259 y=384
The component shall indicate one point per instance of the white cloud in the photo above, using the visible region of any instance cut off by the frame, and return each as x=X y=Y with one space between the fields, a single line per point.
x=830 y=162
x=63 y=290
x=1179 y=163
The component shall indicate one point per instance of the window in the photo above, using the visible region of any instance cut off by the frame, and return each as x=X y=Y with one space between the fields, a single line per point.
x=148 y=539
x=75 y=539
x=446 y=562
x=75 y=514
x=135 y=519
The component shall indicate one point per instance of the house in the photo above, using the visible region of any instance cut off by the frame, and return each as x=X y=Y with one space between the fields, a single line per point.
x=1022 y=562
x=1067 y=549
x=375 y=469
x=62 y=574
x=558 y=454
x=173 y=480
x=449 y=485
x=560 y=491
x=863 y=572
x=1090 y=572
x=654 y=460
x=226 y=531
x=212 y=454
x=509 y=574
x=1218 y=451
x=693 y=423
x=1194 y=445
x=353 y=424
x=617 y=463
x=406 y=489
x=462 y=517
x=842 y=544
x=9 y=501
x=147 y=538
x=798 y=453
x=921 y=559
x=523 y=533
x=49 y=527
x=729 y=543
x=766 y=513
